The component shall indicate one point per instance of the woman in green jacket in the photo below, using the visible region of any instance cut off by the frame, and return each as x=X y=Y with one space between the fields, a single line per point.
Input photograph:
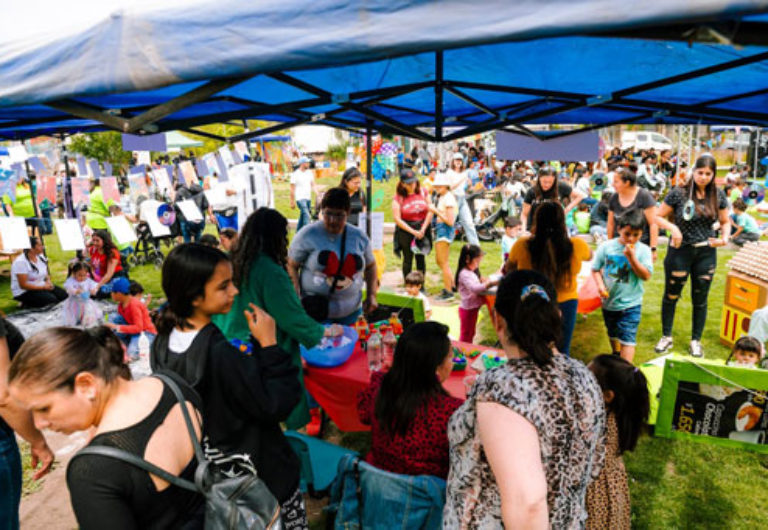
x=259 y=260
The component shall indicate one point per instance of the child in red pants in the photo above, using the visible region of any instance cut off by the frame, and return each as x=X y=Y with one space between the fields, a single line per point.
x=471 y=286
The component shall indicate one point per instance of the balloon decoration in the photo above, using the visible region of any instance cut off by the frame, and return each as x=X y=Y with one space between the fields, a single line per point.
x=753 y=194
x=166 y=215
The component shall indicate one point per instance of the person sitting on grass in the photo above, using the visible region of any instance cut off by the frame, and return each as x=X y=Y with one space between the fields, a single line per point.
x=745 y=225
x=408 y=408
x=620 y=267
x=132 y=318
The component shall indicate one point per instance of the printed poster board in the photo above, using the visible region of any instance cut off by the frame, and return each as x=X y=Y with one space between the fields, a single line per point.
x=70 y=234
x=13 y=233
x=190 y=210
x=81 y=189
x=46 y=192
x=109 y=189
x=121 y=229
x=188 y=172
x=707 y=401
x=377 y=228
x=137 y=187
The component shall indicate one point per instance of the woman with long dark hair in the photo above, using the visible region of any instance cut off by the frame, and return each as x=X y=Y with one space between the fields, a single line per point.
x=259 y=262
x=529 y=438
x=246 y=395
x=630 y=196
x=30 y=279
x=547 y=188
x=692 y=247
x=410 y=209
x=352 y=181
x=105 y=262
x=558 y=257
x=408 y=408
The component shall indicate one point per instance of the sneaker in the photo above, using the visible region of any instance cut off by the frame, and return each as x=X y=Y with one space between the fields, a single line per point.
x=664 y=344
x=695 y=349
x=444 y=295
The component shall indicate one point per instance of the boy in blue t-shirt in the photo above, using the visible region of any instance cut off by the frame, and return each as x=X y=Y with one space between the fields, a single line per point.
x=745 y=225
x=511 y=233
x=620 y=267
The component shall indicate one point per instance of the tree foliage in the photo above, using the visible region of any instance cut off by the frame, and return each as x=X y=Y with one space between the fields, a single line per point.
x=104 y=147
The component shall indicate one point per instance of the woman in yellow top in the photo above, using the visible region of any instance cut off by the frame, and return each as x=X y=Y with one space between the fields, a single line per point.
x=551 y=252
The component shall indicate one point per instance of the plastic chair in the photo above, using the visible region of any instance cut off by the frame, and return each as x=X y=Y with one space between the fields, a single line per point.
x=319 y=461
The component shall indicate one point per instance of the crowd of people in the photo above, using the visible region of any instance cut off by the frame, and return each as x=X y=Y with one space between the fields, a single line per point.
x=538 y=440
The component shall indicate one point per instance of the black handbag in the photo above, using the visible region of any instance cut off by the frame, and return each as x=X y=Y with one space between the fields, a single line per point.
x=235 y=503
x=316 y=305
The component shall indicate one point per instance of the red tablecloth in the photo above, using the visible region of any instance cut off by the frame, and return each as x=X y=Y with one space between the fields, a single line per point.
x=336 y=389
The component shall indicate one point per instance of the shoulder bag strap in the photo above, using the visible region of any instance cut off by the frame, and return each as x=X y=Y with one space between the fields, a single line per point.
x=139 y=462
x=341 y=262
x=187 y=418
x=130 y=458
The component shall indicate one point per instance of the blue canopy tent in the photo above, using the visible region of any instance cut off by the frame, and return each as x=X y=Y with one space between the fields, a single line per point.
x=410 y=67
x=136 y=67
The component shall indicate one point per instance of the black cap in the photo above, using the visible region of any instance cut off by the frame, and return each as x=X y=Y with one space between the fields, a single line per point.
x=407 y=176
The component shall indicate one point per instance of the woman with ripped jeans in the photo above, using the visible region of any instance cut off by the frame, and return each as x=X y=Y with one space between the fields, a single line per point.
x=692 y=248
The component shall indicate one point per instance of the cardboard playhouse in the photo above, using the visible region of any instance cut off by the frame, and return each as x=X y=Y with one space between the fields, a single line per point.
x=746 y=290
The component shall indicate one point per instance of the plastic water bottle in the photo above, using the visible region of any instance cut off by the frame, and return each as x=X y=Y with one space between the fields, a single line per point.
x=373 y=351
x=389 y=342
x=143 y=345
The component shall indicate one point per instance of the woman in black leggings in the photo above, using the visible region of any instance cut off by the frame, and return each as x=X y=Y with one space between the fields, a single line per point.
x=692 y=247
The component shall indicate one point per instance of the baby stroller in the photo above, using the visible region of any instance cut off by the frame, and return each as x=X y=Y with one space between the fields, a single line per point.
x=147 y=249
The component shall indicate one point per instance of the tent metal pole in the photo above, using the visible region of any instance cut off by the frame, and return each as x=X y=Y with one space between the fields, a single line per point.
x=439 y=95
x=369 y=177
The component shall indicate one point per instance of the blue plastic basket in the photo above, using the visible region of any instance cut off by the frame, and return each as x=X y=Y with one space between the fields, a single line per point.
x=330 y=357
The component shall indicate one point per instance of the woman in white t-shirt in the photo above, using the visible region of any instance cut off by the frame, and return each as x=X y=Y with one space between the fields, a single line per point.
x=445 y=216
x=457 y=176
x=30 y=282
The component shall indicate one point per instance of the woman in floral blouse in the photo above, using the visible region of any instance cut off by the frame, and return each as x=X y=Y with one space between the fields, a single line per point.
x=530 y=436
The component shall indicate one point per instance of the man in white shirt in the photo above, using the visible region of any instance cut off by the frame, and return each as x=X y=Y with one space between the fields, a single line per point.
x=302 y=186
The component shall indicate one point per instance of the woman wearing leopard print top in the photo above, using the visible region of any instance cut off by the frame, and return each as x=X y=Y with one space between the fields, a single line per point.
x=529 y=438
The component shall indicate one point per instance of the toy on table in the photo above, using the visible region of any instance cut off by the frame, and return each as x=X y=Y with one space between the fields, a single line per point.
x=492 y=360
x=243 y=347
x=487 y=360
x=459 y=360
x=397 y=326
x=361 y=326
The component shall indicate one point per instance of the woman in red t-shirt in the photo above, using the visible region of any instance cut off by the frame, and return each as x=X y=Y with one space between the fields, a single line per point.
x=410 y=208
x=105 y=262
x=408 y=409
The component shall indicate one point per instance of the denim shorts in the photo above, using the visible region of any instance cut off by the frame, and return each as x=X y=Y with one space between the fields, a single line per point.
x=622 y=325
x=443 y=232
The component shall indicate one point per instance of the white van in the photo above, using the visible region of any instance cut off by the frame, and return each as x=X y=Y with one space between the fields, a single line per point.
x=644 y=140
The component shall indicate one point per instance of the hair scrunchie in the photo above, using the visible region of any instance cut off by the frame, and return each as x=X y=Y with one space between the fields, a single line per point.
x=533 y=289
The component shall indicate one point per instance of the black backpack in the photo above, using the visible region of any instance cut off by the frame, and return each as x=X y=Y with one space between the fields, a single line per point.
x=234 y=503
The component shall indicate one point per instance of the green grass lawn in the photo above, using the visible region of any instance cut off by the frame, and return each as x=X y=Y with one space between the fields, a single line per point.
x=674 y=484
